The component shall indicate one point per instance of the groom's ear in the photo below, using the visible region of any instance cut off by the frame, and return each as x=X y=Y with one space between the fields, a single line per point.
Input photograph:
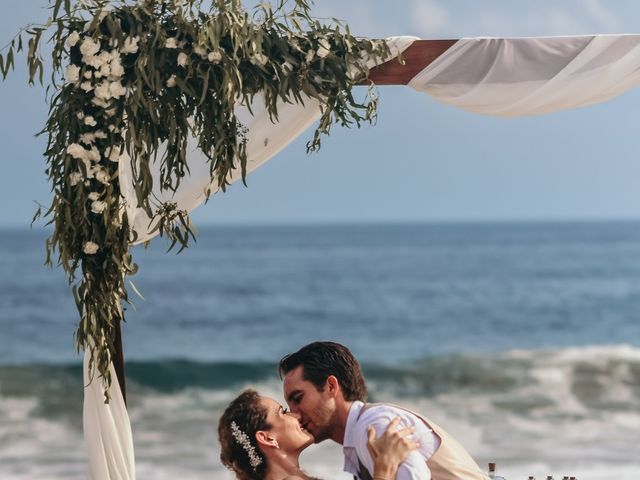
x=332 y=385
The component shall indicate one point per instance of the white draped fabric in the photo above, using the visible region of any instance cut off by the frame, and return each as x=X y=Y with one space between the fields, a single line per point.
x=107 y=430
x=505 y=77
x=513 y=77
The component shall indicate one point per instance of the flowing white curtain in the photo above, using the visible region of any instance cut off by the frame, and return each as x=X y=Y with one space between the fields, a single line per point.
x=107 y=430
x=530 y=76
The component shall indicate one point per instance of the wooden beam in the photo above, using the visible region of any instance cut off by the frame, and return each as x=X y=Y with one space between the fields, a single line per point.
x=418 y=56
x=118 y=362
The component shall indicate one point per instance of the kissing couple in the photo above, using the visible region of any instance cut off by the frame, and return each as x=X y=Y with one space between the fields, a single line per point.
x=325 y=389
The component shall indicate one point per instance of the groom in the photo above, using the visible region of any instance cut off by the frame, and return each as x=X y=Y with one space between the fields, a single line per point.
x=323 y=383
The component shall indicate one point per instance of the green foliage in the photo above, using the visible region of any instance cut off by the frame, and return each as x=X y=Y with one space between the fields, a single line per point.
x=144 y=77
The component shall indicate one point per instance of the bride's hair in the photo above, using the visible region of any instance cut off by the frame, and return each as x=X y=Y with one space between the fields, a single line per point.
x=237 y=435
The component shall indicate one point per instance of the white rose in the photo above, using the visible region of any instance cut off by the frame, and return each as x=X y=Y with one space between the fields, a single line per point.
x=87 y=74
x=93 y=154
x=89 y=47
x=80 y=115
x=102 y=176
x=105 y=70
x=99 y=102
x=86 y=86
x=310 y=55
x=117 y=70
x=75 y=178
x=113 y=154
x=77 y=151
x=87 y=138
x=259 y=59
x=215 y=56
x=171 y=82
x=183 y=60
x=117 y=90
x=73 y=39
x=201 y=52
x=99 y=134
x=171 y=43
x=89 y=120
x=130 y=45
x=103 y=91
x=93 y=196
x=90 y=248
x=73 y=73
x=98 y=206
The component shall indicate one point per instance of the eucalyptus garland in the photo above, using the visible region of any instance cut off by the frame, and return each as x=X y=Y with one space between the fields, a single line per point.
x=142 y=78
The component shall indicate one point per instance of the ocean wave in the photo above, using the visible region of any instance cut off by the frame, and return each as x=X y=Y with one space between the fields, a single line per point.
x=569 y=410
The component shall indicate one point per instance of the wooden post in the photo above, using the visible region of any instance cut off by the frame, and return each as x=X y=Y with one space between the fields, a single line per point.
x=118 y=362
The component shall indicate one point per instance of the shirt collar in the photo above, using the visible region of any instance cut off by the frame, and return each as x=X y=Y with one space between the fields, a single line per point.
x=350 y=439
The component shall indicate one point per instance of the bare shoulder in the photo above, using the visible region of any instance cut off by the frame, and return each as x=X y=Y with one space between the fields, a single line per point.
x=294 y=477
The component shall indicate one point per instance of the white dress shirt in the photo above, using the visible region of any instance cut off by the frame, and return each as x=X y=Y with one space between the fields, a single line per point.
x=379 y=416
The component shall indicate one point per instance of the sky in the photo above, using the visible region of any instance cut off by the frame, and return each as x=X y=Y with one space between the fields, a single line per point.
x=422 y=161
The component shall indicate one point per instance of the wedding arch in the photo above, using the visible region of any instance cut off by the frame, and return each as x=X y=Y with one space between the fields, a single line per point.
x=158 y=104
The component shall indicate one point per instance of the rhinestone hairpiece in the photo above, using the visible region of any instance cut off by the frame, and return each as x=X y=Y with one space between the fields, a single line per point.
x=243 y=439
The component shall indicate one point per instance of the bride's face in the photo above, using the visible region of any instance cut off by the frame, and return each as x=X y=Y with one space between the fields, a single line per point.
x=286 y=428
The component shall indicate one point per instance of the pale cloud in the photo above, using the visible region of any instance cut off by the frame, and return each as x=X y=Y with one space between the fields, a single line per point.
x=439 y=18
x=430 y=16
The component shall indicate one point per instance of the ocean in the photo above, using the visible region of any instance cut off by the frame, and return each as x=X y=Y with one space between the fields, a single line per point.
x=521 y=339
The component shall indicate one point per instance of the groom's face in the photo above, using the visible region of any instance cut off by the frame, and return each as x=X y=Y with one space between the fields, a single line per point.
x=315 y=407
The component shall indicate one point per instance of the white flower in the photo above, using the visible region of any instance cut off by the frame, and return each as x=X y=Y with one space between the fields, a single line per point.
x=73 y=39
x=113 y=154
x=324 y=49
x=183 y=60
x=102 y=176
x=171 y=43
x=80 y=115
x=310 y=55
x=87 y=74
x=89 y=120
x=77 y=151
x=171 y=82
x=111 y=112
x=86 y=86
x=98 y=206
x=259 y=59
x=130 y=45
x=93 y=154
x=201 y=52
x=103 y=91
x=73 y=73
x=87 y=138
x=75 y=178
x=105 y=70
x=116 y=89
x=117 y=70
x=90 y=248
x=100 y=134
x=99 y=102
x=93 y=196
x=215 y=56
x=89 y=47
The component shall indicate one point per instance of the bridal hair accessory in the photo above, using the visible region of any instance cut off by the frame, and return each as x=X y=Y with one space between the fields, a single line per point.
x=243 y=439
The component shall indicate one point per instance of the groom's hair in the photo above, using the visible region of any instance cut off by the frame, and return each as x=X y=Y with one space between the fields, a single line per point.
x=321 y=359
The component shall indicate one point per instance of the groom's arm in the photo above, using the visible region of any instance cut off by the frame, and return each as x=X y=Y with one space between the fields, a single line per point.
x=415 y=466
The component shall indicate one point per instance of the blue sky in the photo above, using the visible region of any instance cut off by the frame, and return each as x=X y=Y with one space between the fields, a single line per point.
x=423 y=161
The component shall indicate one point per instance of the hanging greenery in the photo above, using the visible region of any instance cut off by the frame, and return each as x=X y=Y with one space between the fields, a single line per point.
x=134 y=76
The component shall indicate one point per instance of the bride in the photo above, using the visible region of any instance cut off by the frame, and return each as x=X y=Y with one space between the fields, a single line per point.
x=260 y=440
